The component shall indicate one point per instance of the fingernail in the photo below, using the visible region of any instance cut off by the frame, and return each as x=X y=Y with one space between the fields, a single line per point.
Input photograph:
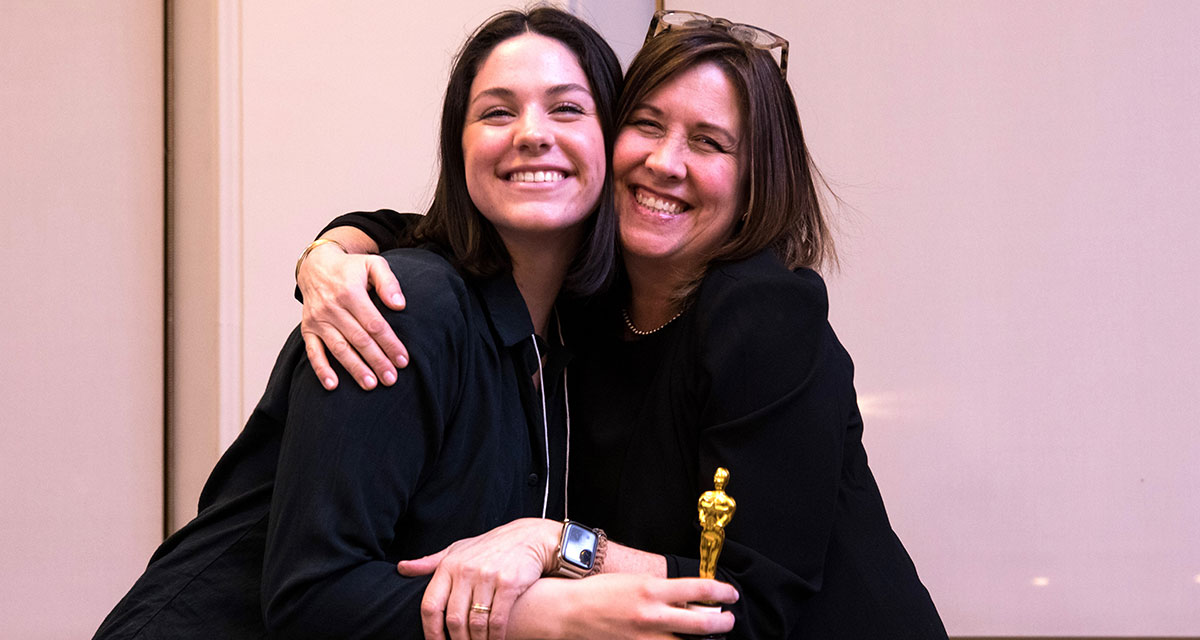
x=389 y=377
x=397 y=299
x=369 y=382
x=401 y=361
x=329 y=383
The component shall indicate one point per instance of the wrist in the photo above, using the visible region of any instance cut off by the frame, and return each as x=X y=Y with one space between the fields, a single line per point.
x=551 y=533
x=580 y=551
x=319 y=242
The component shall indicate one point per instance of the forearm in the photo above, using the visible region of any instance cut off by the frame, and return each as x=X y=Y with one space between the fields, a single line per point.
x=617 y=606
x=369 y=601
x=352 y=239
x=622 y=559
x=388 y=229
x=538 y=612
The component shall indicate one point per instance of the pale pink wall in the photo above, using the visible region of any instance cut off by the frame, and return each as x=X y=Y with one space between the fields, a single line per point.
x=1021 y=254
x=81 y=176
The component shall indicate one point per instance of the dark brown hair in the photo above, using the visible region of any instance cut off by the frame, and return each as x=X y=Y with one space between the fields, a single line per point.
x=453 y=221
x=782 y=210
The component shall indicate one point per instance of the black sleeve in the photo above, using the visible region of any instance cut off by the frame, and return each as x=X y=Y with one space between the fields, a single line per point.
x=389 y=229
x=350 y=462
x=773 y=394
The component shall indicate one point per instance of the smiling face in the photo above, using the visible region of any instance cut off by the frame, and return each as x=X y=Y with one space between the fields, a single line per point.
x=679 y=165
x=532 y=143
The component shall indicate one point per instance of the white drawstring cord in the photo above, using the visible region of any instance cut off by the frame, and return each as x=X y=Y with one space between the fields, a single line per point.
x=567 y=405
x=545 y=424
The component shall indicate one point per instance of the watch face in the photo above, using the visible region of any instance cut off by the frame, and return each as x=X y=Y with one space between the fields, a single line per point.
x=579 y=546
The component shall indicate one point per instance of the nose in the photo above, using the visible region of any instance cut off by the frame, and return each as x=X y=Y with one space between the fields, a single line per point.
x=534 y=133
x=666 y=160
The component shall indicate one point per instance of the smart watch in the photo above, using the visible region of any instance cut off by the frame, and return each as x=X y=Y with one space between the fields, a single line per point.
x=580 y=551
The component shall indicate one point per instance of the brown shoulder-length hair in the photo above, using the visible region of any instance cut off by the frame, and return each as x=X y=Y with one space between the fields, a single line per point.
x=453 y=221
x=781 y=207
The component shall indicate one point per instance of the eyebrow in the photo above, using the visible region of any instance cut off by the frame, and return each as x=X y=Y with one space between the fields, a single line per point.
x=702 y=125
x=555 y=90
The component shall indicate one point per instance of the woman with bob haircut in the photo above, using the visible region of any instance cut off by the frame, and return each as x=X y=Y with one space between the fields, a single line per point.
x=712 y=350
x=304 y=518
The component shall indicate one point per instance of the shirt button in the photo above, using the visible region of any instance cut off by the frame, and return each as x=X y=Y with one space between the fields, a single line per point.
x=532 y=480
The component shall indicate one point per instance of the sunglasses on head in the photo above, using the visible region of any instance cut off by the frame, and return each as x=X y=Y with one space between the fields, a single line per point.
x=666 y=20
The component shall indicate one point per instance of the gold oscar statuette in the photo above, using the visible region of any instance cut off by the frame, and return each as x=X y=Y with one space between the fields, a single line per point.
x=716 y=510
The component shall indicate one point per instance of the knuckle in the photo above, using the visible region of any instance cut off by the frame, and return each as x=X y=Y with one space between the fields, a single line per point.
x=376 y=326
x=344 y=297
x=508 y=579
x=338 y=347
x=430 y=609
x=643 y=616
x=471 y=573
x=455 y=622
x=358 y=337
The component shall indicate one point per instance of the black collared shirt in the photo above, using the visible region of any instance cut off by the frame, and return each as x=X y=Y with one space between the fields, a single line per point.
x=323 y=492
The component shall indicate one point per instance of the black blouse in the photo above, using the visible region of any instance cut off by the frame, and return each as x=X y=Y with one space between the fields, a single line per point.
x=752 y=378
x=323 y=492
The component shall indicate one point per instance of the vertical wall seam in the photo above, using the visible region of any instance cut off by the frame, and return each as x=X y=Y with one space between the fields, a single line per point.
x=168 y=271
x=231 y=215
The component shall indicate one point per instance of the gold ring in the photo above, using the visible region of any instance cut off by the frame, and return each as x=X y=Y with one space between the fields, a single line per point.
x=480 y=608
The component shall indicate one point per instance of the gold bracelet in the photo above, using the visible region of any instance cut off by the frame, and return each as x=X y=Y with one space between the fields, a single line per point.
x=313 y=245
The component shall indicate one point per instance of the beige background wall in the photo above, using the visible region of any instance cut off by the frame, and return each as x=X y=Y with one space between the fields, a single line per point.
x=1019 y=258
x=81 y=333
x=1019 y=291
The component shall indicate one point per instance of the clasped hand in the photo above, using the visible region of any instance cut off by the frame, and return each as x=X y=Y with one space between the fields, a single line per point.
x=491 y=569
x=484 y=587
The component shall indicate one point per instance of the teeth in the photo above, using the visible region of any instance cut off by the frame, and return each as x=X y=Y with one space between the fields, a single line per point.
x=536 y=176
x=658 y=204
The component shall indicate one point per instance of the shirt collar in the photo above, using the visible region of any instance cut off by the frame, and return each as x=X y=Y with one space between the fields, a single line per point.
x=505 y=308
